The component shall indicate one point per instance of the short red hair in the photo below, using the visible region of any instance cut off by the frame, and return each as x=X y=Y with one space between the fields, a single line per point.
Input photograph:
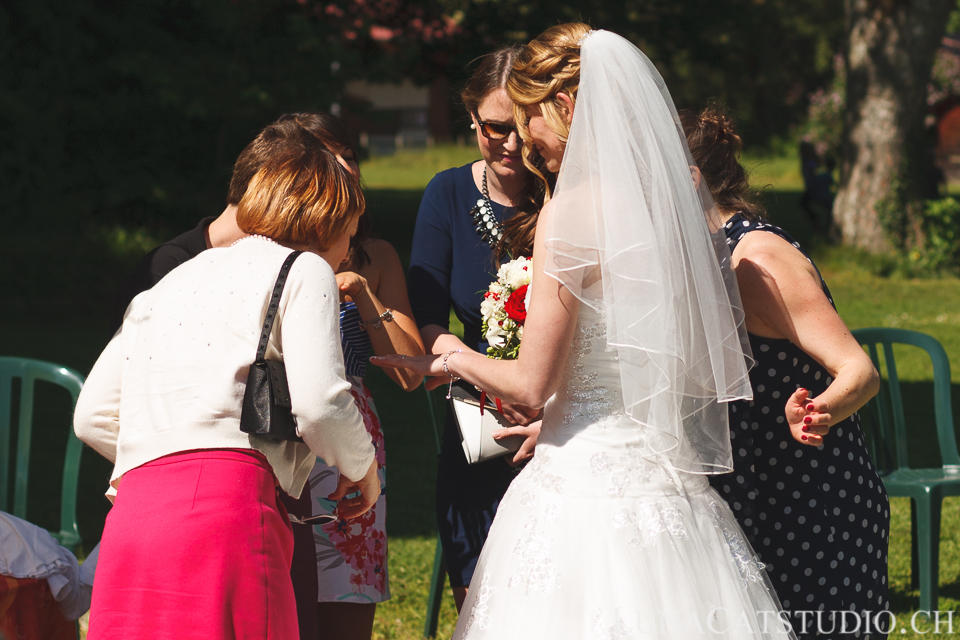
x=302 y=196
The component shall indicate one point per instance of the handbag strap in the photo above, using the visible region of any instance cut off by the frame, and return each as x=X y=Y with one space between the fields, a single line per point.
x=274 y=305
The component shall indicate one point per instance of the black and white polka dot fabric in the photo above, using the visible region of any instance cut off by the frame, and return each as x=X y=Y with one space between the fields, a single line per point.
x=818 y=517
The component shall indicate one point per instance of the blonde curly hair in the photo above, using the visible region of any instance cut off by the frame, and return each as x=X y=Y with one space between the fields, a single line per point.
x=548 y=65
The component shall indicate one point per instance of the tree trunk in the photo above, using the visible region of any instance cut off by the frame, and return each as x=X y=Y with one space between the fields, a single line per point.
x=890 y=50
x=440 y=107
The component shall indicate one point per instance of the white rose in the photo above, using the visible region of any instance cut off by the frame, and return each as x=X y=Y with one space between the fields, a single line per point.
x=516 y=273
x=488 y=307
x=496 y=336
x=517 y=278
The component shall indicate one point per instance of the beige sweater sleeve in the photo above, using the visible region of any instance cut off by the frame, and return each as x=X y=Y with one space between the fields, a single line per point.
x=309 y=330
x=96 y=419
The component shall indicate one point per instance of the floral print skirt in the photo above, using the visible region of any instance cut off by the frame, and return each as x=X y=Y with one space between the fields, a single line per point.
x=352 y=554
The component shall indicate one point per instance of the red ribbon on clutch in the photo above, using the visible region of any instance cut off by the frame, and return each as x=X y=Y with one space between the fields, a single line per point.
x=483 y=401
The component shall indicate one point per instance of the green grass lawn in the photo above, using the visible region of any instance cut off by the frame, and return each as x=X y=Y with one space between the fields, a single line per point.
x=74 y=337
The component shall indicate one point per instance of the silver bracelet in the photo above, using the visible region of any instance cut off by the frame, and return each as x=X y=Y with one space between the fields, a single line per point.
x=377 y=323
x=453 y=378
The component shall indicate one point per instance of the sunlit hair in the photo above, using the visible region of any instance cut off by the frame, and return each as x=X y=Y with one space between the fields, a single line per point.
x=301 y=196
x=715 y=147
x=548 y=65
x=491 y=74
x=518 y=231
x=278 y=137
x=329 y=130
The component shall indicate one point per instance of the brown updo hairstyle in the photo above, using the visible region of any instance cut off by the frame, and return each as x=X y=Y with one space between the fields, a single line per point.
x=715 y=147
x=301 y=196
x=549 y=64
x=518 y=231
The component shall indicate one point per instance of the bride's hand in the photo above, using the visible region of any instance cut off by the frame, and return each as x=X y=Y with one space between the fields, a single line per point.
x=428 y=365
x=519 y=414
x=530 y=432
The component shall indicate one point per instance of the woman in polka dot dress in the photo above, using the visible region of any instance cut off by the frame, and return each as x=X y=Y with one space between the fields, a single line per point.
x=804 y=488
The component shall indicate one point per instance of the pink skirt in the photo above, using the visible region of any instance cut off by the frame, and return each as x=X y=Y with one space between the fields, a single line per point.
x=196 y=546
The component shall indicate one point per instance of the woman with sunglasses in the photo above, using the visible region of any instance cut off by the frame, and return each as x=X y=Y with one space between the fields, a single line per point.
x=472 y=218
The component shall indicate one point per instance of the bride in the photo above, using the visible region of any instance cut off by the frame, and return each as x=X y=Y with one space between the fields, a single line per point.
x=633 y=340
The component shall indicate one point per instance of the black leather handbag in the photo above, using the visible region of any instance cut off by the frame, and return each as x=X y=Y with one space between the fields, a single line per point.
x=266 y=402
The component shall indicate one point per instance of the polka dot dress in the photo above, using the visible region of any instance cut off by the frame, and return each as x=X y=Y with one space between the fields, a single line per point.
x=818 y=517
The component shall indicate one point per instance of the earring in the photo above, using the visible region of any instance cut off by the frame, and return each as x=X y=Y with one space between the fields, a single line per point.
x=473 y=126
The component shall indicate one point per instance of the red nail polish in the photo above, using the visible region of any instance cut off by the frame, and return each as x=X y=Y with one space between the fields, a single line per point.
x=803 y=437
x=807 y=419
x=809 y=407
x=806 y=428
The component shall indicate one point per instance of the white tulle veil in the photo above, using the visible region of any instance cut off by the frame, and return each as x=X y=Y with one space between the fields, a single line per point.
x=632 y=236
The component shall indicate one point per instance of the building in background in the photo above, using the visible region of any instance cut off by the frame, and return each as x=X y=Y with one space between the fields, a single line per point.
x=388 y=116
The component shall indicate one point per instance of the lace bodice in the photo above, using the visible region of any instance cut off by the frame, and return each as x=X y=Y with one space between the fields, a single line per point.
x=586 y=430
x=589 y=396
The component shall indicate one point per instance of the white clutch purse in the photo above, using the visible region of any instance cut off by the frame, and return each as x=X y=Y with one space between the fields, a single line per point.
x=476 y=429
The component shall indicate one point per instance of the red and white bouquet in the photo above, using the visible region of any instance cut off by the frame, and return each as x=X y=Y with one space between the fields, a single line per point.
x=504 y=309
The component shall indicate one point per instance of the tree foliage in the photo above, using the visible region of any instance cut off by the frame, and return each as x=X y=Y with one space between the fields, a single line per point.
x=133 y=112
x=760 y=57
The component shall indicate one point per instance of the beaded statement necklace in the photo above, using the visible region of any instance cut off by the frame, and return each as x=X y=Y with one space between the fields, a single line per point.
x=485 y=223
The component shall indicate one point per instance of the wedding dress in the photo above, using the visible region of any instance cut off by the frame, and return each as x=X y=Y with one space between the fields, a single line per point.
x=612 y=531
x=595 y=539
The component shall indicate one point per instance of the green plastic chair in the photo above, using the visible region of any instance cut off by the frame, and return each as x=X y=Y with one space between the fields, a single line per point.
x=437 y=582
x=926 y=487
x=29 y=372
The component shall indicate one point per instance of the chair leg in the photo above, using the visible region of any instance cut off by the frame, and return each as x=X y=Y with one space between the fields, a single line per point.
x=928 y=537
x=436 y=593
x=914 y=547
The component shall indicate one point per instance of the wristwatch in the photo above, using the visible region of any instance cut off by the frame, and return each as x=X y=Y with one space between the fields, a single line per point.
x=377 y=323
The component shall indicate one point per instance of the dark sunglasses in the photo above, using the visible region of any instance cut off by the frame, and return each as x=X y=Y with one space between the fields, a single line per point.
x=494 y=130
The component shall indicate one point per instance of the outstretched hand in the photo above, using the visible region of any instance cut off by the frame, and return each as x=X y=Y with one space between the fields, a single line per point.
x=809 y=419
x=428 y=365
x=369 y=488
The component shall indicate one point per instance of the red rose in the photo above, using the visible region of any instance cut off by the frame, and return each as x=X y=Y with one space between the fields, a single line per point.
x=515 y=306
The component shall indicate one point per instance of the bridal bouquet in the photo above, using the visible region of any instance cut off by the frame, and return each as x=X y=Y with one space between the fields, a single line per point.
x=504 y=309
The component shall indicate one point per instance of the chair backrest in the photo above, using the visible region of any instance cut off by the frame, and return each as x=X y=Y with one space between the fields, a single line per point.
x=891 y=441
x=29 y=372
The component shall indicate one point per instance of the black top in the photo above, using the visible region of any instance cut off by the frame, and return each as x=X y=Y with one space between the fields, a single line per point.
x=156 y=264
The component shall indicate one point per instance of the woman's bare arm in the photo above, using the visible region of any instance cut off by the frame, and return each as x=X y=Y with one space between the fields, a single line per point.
x=376 y=287
x=548 y=332
x=783 y=299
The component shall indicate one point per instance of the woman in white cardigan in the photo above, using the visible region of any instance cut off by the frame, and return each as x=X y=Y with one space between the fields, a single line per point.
x=197 y=545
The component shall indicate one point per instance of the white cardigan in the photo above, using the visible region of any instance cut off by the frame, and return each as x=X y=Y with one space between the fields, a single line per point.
x=173 y=377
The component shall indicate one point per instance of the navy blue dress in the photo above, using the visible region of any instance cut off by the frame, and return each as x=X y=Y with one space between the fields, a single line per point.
x=451 y=266
x=817 y=516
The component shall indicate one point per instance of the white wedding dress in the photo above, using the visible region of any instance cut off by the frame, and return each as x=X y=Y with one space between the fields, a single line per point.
x=597 y=538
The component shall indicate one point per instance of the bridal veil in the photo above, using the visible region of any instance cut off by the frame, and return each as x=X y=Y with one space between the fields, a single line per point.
x=635 y=235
